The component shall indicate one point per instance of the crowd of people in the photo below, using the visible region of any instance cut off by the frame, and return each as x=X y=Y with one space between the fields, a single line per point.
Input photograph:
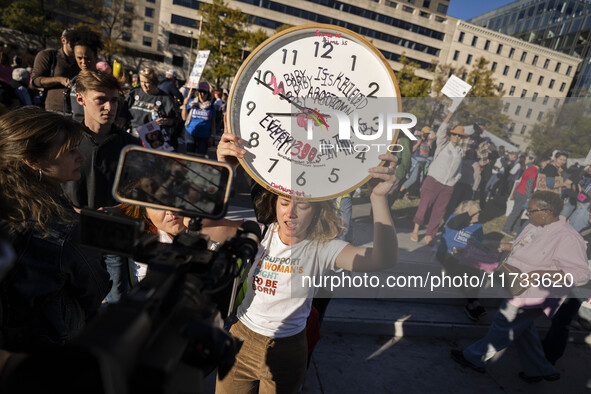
x=62 y=158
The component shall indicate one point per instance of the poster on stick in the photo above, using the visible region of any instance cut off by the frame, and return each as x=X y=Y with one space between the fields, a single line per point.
x=198 y=67
x=456 y=89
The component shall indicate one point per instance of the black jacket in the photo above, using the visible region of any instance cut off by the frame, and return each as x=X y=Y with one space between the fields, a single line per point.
x=94 y=189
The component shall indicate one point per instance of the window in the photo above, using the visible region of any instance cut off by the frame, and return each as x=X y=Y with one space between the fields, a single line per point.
x=511 y=53
x=517 y=73
x=456 y=54
x=181 y=20
x=506 y=70
x=557 y=68
x=486 y=45
x=540 y=80
x=512 y=127
x=408 y=9
x=518 y=110
x=147 y=41
x=535 y=61
x=426 y=3
x=393 y=4
x=534 y=97
x=474 y=41
x=569 y=69
x=149 y=27
x=128 y=7
x=512 y=91
x=523 y=56
x=546 y=98
x=424 y=14
x=551 y=84
x=126 y=36
x=149 y=12
x=546 y=63
x=523 y=128
x=506 y=108
x=178 y=61
x=151 y=1
x=523 y=93
x=442 y=8
x=177 y=39
x=528 y=79
x=127 y=22
x=461 y=37
x=501 y=86
x=469 y=59
x=540 y=116
x=439 y=19
x=556 y=103
x=494 y=66
x=528 y=115
x=562 y=86
x=499 y=49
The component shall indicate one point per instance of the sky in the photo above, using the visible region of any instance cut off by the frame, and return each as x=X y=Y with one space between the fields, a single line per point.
x=466 y=9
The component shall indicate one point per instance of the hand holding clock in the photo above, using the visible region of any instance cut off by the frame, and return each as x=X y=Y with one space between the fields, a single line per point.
x=229 y=151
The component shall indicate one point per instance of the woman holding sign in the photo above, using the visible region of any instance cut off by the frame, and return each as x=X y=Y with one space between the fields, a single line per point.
x=298 y=243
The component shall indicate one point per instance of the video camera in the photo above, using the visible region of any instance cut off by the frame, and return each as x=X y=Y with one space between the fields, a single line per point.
x=167 y=333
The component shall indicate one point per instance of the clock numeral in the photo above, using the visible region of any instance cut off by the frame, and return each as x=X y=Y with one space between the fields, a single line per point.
x=250 y=106
x=275 y=161
x=312 y=154
x=301 y=181
x=361 y=156
x=254 y=139
x=373 y=92
x=267 y=75
x=336 y=176
x=302 y=151
x=325 y=55
x=295 y=56
x=354 y=57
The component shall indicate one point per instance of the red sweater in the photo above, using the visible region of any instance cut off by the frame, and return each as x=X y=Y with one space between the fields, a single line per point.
x=527 y=185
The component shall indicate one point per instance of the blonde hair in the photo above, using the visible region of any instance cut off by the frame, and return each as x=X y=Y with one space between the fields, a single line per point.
x=96 y=80
x=30 y=134
x=470 y=206
x=326 y=224
x=151 y=74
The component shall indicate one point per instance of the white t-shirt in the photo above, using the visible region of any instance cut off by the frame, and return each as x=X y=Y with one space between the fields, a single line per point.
x=276 y=305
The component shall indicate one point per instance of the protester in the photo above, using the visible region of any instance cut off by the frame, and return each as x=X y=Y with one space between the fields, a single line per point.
x=578 y=200
x=548 y=247
x=550 y=178
x=102 y=142
x=274 y=353
x=148 y=103
x=444 y=173
x=53 y=70
x=168 y=86
x=86 y=49
x=20 y=83
x=421 y=153
x=523 y=192
x=199 y=115
x=461 y=228
x=55 y=286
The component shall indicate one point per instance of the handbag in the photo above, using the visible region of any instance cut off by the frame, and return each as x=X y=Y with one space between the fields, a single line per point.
x=510 y=276
x=479 y=256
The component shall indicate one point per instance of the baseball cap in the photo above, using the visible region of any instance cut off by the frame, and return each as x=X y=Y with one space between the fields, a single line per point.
x=426 y=130
x=172 y=73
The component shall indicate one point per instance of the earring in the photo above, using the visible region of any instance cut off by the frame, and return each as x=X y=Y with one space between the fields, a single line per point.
x=40 y=175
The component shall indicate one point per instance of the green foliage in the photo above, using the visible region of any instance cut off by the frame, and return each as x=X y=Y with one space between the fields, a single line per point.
x=224 y=32
x=414 y=91
x=32 y=17
x=567 y=128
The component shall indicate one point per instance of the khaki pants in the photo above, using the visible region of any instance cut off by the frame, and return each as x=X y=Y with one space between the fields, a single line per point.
x=266 y=365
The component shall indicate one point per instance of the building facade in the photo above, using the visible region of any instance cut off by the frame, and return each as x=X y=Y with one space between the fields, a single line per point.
x=560 y=25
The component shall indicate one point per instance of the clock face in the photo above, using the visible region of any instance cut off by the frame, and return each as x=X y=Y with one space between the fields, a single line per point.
x=314 y=107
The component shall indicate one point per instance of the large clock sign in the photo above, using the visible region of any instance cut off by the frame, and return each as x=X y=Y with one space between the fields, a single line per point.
x=314 y=106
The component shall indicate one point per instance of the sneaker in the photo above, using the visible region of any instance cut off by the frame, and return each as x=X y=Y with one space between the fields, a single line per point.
x=474 y=313
x=459 y=358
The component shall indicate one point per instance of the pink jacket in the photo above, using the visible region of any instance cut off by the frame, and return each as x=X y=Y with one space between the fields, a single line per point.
x=558 y=246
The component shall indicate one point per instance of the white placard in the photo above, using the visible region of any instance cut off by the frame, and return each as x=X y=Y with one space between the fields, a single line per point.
x=456 y=89
x=198 y=67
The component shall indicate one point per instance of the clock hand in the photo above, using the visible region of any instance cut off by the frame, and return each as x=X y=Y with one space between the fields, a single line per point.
x=292 y=114
x=283 y=96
